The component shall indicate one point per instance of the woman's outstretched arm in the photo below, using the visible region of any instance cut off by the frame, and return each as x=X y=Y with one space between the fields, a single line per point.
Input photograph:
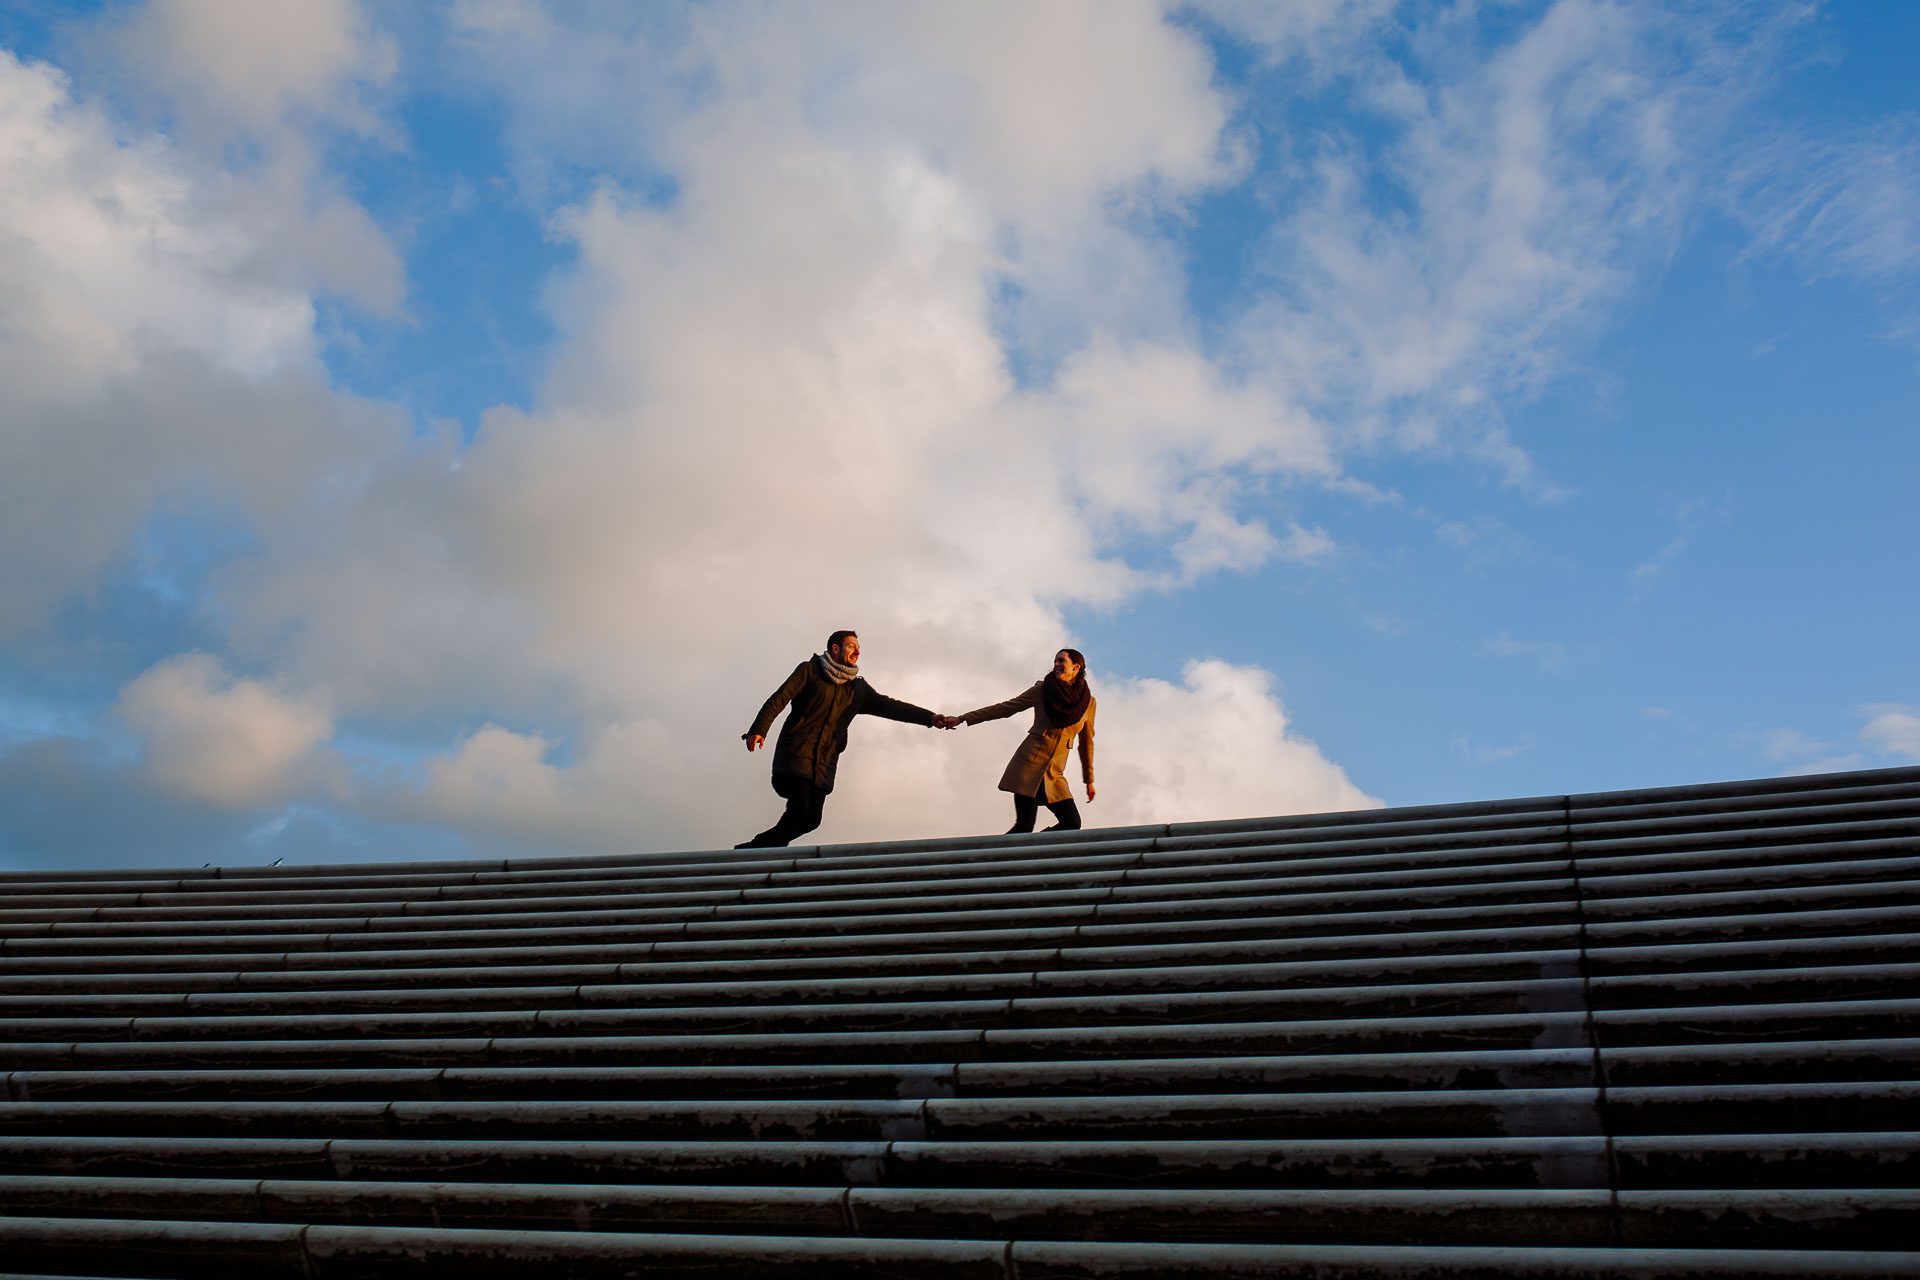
x=1001 y=710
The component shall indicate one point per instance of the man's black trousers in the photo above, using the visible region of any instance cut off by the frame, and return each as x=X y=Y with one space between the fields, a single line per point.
x=805 y=803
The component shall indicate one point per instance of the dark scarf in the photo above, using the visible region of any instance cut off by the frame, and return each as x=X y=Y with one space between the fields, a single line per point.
x=1065 y=703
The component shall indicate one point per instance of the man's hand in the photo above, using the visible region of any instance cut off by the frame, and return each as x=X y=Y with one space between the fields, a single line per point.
x=755 y=742
x=947 y=722
x=1089 y=793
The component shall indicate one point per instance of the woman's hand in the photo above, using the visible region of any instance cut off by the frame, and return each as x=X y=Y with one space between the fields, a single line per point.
x=1089 y=793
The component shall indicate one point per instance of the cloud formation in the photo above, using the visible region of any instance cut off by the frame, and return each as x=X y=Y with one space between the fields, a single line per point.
x=143 y=360
x=231 y=64
x=1453 y=262
x=875 y=315
x=1893 y=729
x=1839 y=206
x=231 y=743
x=251 y=95
x=781 y=404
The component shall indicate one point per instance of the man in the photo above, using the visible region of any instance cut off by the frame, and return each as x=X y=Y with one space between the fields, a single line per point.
x=827 y=693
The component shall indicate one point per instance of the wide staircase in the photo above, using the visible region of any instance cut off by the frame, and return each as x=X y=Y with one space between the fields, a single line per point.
x=1659 y=1033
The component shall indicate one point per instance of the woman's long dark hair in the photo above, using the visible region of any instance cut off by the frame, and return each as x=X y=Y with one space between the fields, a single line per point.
x=1066 y=700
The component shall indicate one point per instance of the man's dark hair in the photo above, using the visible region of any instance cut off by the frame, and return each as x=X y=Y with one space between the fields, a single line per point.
x=839 y=638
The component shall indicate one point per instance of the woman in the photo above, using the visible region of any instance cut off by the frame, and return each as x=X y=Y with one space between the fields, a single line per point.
x=1063 y=709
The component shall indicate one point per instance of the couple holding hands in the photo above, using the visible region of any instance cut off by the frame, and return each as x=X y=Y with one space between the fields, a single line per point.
x=826 y=693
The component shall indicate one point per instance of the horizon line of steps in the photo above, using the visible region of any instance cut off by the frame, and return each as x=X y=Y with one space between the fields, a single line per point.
x=1672 y=1032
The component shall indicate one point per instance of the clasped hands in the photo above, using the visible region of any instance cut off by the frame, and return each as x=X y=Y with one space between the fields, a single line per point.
x=948 y=722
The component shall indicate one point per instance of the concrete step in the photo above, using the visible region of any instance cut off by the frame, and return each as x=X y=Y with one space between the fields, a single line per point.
x=302 y=987
x=1277 y=852
x=1137 y=863
x=107 y=1015
x=1479 y=1068
x=1833 y=1107
x=1749 y=796
x=1783 y=1062
x=1133 y=879
x=303 y=977
x=1103 y=996
x=1143 y=868
x=1687 y=1161
x=993 y=1040
x=1117 y=902
x=192 y=1249
x=1873 y=1219
x=1450 y=1113
x=1490 y=906
x=1370 y=929
x=946 y=860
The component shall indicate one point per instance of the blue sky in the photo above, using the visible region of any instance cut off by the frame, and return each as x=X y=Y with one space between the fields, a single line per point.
x=432 y=429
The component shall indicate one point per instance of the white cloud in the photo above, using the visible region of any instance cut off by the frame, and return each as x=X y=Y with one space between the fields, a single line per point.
x=107 y=243
x=763 y=429
x=1217 y=745
x=1842 y=763
x=804 y=342
x=308 y=237
x=501 y=789
x=1485 y=541
x=228 y=742
x=250 y=97
x=1550 y=654
x=236 y=64
x=1892 y=730
x=1312 y=32
x=1061 y=124
x=1305 y=545
x=1045 y=108
x=1424 y=281
x=779 y=405
x=1155 y=442
x=1839 y=205
x=143 y=359
x=785 y=396
x=1691 y=516
x=1790 y=744
x=1462 y=745
x=782 y=398
x=1042 y=111
x=1795 y=753
x=1649 y=570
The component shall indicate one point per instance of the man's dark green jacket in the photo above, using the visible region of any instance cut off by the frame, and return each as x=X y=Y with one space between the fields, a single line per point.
x=816 y=733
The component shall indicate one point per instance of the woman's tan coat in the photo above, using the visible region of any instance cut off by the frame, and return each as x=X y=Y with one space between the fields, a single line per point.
x=1042 y=754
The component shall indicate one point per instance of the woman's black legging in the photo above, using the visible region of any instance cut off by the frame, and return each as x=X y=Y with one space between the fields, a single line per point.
x=1066 y=814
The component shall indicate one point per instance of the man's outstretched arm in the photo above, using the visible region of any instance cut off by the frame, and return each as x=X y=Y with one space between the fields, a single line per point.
x=879 y=704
